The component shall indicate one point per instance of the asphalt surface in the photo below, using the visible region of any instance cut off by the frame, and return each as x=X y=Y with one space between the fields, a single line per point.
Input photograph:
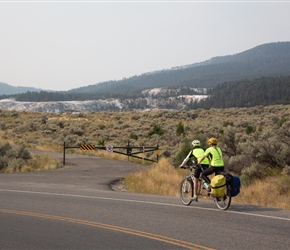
x=76 y=207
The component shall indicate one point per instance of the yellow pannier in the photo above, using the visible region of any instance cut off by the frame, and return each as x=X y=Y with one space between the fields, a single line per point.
x=218 y=185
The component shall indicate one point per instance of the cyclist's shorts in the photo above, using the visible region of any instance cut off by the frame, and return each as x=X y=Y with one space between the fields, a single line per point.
x=197 y=170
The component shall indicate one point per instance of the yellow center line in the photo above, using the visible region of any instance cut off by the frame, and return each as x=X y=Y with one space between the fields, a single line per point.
x=157 y=237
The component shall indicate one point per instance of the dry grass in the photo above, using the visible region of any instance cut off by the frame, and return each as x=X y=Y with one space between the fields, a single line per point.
x=163 y=179
x=271 y=192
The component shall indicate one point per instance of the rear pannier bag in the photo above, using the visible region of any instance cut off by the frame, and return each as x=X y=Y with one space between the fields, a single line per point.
x=218 y=185
x=234 y=182
x=235 y=185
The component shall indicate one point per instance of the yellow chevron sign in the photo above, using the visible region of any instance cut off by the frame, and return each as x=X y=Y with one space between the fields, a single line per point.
x=87 y=147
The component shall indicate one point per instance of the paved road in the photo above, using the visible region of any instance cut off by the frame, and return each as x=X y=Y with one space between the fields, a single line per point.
x=75 y=208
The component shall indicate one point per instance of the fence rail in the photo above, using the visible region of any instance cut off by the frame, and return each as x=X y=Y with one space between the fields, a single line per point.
x=128 y=150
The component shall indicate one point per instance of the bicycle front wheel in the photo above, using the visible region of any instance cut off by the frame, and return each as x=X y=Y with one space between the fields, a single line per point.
x=186 y=191
x=224 y=203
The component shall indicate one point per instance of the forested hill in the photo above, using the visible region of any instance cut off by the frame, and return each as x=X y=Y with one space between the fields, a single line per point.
x=262 y=91
x=271 y=59
x=259 y=76
x=244 y=93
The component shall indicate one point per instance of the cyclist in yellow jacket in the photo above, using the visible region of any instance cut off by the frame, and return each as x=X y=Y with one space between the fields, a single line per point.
x=216 y=156
x=197 y=152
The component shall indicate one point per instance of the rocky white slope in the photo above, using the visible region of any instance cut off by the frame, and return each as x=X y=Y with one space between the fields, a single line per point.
x=151 y=99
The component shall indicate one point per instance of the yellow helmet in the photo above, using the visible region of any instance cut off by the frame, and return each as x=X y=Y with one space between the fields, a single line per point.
x=212 y=141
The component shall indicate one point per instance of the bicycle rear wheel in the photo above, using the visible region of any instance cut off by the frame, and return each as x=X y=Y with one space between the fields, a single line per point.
x=186 y=191
x=224 y=203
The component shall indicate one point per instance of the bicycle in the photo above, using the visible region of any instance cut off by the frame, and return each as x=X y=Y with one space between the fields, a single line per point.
x=187 y=185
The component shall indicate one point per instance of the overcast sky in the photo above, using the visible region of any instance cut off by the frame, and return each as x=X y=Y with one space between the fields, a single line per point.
x=61 y=45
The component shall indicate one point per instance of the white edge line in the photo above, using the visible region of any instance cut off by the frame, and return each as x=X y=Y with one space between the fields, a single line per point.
x=139 y=201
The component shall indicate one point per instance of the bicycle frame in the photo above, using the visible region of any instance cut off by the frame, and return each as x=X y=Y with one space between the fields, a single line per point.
x=191 y=176
x=187 y=187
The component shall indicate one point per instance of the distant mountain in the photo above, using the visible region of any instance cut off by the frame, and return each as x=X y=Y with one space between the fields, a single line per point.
x=268 y=60
x=259 y=76
x=6 y=89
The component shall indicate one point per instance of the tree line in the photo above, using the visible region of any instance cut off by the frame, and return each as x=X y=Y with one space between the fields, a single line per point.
x=246 y=93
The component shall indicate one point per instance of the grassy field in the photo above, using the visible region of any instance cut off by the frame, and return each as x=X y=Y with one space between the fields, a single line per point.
x=255 y=142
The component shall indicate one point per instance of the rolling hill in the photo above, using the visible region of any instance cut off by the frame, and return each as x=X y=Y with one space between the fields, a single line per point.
x=6 y=89
x=258 y=76
x=266 y=60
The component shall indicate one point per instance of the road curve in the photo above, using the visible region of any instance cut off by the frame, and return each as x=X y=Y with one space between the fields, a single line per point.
x=76 y=208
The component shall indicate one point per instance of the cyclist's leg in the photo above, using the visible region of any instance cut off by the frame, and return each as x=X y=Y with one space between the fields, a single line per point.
x=196 y=176
x=207 y=172
x=219 y=170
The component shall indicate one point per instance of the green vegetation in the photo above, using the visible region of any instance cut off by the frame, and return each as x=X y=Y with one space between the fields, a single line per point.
x=156 y=130
x=180 y=129
x=246 y=93
x=20 y=160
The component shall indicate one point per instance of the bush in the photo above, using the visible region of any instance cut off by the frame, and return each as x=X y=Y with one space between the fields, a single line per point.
x=254 y=171
x=15 y=165
x=180 y=129
x=23 y=153
x=12 y=159
x=134 y=136
x=184 y=150
x=3 y=162
x=156 y=130
x=249 y=129
x=4 y=148
x=286 y=170
x=237 y=163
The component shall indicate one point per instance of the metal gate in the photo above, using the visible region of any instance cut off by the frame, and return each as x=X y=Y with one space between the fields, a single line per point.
x=130 y=151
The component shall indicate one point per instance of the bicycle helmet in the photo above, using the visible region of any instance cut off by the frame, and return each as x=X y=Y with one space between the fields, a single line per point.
x=196 y=143
x=212 y=141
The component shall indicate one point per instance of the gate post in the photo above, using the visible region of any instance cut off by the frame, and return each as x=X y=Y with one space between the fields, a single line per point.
x=63 y=160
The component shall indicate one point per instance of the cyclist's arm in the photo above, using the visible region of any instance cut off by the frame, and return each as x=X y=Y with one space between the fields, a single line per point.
x=201 y=159
x=186 y=159
x=206 y=153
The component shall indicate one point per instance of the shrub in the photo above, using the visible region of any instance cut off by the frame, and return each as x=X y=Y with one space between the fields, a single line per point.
x=184 y=150
x=102 y=126
x=15 y=165
x=180 y=129
x=237 y=163
x=23 y=153
x=156 y=130
x=4 y=148
x=254 y=171
x=286 y=170
x=101 y=142
x=3 y=162
x=228 y=123
x=12 y=159
x=230 y=141
x=249 y=129
x=134 y=136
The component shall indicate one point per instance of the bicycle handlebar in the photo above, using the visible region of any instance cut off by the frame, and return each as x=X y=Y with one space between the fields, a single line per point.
x=190 y=167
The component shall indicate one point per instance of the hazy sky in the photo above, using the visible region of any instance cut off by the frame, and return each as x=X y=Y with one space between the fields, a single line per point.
x=60 y=45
